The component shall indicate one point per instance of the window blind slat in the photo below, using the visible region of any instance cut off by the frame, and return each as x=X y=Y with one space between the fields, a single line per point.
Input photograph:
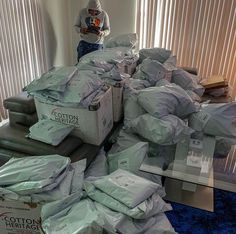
x=200 y=33
x=22 y=46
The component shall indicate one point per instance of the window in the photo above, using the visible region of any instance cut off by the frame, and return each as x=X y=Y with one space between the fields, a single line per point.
x=22 y=47
x=201 y=33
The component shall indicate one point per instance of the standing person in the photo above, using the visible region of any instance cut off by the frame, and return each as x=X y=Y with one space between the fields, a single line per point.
x=93 y=26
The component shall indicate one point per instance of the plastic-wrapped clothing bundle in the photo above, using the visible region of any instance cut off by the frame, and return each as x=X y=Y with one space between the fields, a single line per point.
x=81 y=86
x=132 y=109
x=165 y=131
x=153 y=205
x=138 y=84
x=55 y=80
x=117 y=222
x=72 y=183
x=33 y=174
x=79 y=218
x=124 y=141
x=123 y=40
x=187 y=81
x=129 y=159
x=171 y=63
x=78 y=178
x=52 y=208
x=126 y=187
x=90 y=67
x=193 y=95
x=62 y=190
x=170 y=66
x=111 y=55
x=62 y=213
x=165 y=100
x=49 y=131
x=8 y=195
x=215 y=119
x=113 y=74
x=98 y=167
x=79 y=91
x=151 y=70
x=162 y=82
x=103 y=65
x=162 y=226
x=159 y=54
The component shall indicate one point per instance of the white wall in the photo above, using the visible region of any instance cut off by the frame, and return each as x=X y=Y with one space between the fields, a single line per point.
x=60 y=16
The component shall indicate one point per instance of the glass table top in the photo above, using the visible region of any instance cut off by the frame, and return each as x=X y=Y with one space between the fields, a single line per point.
x=197 y=165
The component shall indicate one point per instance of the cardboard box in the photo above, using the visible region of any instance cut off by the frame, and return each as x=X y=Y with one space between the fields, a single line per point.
x=92 y=125
x=20 y=218
x=214 y=82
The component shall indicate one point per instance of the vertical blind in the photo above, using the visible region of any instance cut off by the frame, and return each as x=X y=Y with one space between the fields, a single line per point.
x=201 y=33
x=22 y=48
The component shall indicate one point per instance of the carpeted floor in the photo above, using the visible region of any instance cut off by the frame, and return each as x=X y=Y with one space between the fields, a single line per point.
x=188 y=220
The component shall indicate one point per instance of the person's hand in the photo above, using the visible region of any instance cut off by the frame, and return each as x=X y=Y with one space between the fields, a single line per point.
x=99 y=33
x=84 y=30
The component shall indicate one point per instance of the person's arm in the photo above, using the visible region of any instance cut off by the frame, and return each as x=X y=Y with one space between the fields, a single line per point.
x=77 y=24
x=106 y=26
x=78 y=27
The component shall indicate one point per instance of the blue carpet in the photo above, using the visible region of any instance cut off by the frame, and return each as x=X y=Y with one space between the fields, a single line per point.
x=188 y=220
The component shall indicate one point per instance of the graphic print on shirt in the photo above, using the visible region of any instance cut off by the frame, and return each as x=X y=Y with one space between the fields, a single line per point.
x=94 y=24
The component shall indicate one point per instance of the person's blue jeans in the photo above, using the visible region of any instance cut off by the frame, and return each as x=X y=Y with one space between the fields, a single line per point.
x=85 y=48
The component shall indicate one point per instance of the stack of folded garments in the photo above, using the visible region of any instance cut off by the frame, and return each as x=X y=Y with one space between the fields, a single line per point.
x=21 y=110
x=41 y=179
x=117 y=203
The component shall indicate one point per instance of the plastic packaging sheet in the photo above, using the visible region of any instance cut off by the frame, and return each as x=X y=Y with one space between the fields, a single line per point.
x=79 y=91
x=78 y=177
x=129 y=159
x=187 y=81
x=215 y=119
x=151 y=70
x=72 y=183
x=79 y=218
x=164 y=100
x=153 y=205
x=111 y=55
x=54 y=80
x=159 y=54
x=138 y=84
x=171 y=63
x=49 y=131
x=117 y=222
x=61 y=217
x=124 y=40
x=98 y=167
x=113 y=74
x=81 y=86
x=165 y=131
x=52 y=208
x=32 y=174
x=194 y=96
x=126 y=187
x=62 y=190
x=162 y=82
x=162 y=226
x=132 y=109
x=124 y=141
